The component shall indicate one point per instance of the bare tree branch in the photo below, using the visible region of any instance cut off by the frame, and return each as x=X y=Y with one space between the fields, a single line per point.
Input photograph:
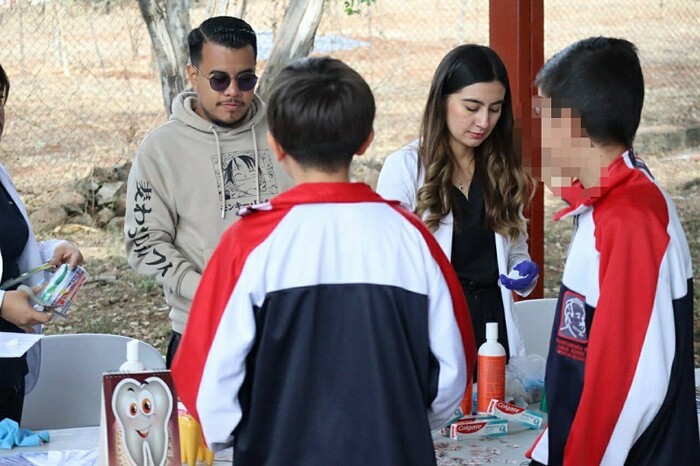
x=178 y=13
x=295 y=39
x=169 y=58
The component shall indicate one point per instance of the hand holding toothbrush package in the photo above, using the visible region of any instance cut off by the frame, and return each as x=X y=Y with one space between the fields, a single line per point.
x=59 y=292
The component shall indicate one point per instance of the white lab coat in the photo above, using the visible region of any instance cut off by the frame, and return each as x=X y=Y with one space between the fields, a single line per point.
x=399 y=180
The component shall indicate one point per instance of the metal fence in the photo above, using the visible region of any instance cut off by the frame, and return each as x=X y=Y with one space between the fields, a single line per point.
x=85 y=88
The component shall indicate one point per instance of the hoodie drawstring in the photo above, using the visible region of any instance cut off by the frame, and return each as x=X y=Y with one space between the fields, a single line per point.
x=222 y=196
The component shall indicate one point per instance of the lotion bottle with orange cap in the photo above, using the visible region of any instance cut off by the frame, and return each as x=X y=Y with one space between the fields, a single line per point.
x=491 y=369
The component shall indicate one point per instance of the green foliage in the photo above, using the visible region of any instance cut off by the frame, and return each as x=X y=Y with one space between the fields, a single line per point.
x=147 y=286
x=352 y=7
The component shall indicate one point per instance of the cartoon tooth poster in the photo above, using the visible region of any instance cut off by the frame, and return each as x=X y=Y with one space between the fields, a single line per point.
x=140 y=425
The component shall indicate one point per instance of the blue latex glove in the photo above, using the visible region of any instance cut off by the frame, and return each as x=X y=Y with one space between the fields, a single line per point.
x=522 y=276
x=11 y=435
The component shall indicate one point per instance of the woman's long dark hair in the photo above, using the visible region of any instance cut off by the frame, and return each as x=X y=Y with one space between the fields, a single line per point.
x=507 y=188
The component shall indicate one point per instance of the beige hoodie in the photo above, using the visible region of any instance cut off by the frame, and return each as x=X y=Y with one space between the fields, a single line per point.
x=188 y=179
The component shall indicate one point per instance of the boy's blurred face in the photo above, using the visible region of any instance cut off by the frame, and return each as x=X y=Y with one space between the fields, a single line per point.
x=567 y=152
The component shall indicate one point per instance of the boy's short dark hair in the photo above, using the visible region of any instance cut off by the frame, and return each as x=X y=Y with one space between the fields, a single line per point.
x=320 y=111
x=233 y=33
x=601 y=79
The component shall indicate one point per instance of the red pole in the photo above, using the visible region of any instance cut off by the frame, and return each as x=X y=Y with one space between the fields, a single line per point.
x=516 y=33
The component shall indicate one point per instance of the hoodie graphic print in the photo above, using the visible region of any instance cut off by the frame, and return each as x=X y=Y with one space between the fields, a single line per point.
x=242 y=180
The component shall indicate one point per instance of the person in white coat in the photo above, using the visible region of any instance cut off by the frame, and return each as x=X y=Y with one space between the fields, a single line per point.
x=20 y=252
x=463 y=177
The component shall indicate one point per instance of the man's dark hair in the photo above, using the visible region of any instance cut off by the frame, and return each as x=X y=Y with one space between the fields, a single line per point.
x=601 y=80
x=233 y=33
x=320 y=111
x=4 y=86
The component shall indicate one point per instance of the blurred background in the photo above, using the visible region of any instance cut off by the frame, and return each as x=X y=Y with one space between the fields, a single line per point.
x=85 y=88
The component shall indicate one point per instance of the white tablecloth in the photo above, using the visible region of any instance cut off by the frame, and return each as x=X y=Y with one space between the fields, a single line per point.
x=508 y=448
x=68 y=441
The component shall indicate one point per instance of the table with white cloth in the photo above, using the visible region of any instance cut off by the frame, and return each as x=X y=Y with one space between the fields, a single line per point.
x=83 y=441
x=76 y=446
x=507 y=449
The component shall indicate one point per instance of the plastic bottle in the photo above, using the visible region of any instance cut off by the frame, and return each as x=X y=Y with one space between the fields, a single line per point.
x=491 y=369
x=132 y=363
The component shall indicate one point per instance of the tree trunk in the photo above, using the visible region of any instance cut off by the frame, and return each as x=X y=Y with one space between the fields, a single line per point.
x=295 y=39
x=179 y=26
x=241 y=10
x=168 y=28
x=221 y=7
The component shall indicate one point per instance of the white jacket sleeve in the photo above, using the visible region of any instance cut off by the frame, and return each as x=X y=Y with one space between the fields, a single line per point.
x=398 y=179
x=518 y=252
x=447 y=347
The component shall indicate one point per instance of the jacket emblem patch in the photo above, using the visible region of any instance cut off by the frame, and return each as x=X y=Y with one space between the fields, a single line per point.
x=572 y=334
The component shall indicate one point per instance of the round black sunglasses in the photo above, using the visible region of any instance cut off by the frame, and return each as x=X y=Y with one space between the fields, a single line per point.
x=220 y=81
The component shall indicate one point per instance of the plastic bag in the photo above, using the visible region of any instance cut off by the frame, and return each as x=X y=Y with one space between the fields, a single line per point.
x=525 y=378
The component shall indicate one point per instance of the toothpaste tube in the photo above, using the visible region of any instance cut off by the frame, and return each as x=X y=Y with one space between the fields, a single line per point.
x=509 y=412
x=62 y=287
x=478 y=427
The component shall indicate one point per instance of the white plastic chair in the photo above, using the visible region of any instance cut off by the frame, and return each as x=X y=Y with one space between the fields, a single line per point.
x=535 y=318
x=68 y=391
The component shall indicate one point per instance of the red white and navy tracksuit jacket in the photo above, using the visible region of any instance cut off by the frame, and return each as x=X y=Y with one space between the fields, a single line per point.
x=328 y=329
x=619 y=379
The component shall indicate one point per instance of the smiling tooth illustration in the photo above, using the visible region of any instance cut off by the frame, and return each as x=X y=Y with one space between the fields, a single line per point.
x=143 y=411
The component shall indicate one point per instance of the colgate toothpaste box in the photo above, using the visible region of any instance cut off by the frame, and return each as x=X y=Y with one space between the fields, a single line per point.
x=445 y=431
x=478 y=426
x=509 y=412
x=456 y=416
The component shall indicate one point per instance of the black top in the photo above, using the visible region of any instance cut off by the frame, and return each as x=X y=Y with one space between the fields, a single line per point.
x=14 y=234
x=473 y=242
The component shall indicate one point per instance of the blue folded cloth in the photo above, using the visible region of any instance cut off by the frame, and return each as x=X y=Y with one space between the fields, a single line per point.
x=11 y=435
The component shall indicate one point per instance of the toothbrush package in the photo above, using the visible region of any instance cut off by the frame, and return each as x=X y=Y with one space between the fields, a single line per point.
x=62 y=287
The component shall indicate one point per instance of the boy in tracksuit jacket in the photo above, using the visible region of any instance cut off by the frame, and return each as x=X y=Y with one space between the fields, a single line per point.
x=329 y=327
x=619 y=379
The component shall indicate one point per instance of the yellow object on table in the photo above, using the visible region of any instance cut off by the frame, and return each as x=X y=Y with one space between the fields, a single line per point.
x=192 y=446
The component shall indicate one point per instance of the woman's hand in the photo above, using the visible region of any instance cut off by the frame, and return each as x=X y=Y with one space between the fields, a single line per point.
x=67 y=253
x=17 y=309
x=522 y=276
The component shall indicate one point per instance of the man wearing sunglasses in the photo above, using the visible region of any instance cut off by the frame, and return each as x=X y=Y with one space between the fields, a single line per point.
x=191 y=175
